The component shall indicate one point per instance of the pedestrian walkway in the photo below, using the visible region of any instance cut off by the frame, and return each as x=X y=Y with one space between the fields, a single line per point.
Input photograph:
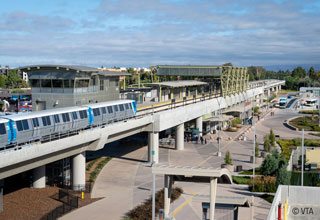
x=126 y=181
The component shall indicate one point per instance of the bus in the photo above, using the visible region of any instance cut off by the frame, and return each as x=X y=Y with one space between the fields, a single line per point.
x=311 y=102
x=282 y=102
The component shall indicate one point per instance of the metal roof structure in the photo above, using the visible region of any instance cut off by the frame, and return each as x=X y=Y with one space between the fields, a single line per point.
x=227 y=200
x=74 y=68
x=233 y=79
x=177 y=84
x=185 y=173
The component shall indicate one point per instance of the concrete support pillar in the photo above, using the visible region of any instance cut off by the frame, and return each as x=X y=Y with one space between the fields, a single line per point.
x=180 y=94
x=155 y=153
x=171 y=93
x=213 y=191
x=268 y=93
x=199 y=124
x=167 y=194
x=39 y=177
x=276 y=89
x=180 y=137
x=79 y=171
x=160 y=94
x=188 y=88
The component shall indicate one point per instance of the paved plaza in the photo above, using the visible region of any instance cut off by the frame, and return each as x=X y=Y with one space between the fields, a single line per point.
x=126 y=180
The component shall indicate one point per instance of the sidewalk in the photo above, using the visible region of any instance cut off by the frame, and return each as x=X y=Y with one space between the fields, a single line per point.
x=126 y=181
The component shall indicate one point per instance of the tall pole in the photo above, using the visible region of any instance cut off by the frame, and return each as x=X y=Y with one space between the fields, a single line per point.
x=319 y=108
x=153 y=175
x=302 y=157
x=219 y=135
x=254 y=145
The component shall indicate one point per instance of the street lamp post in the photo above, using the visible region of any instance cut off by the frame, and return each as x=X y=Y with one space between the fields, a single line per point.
x=219 y=131
x=254 y=142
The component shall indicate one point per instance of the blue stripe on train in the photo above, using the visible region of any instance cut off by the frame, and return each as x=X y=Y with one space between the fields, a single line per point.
x=90 y=116
x=9 y=132
x=134 y=107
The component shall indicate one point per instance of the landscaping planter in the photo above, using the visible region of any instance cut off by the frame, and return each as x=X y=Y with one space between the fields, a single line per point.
x=264 y=154
x=229 y=167
x=258 y=159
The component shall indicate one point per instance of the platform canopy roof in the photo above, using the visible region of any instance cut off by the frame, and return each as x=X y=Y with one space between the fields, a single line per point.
x=177 y=84
x=233 y=79
x=71 y=68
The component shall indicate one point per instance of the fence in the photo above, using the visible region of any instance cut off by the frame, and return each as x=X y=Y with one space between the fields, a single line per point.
x=70 y=202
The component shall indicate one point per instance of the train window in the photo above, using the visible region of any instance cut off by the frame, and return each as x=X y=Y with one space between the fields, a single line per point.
x=35 y=122
x=74 y=115
x=96 y=112
x=103 y=109
x=68 y=117
x=25 y=125
x=81 y=114
x=44 y=121
x=130 y=106
x=85 y=113
x=56 y=119
x=19 y=125
x=2 y=129
x=110 y=110
x=65 y=117
x=127 y=106
x=115 y=108
x=121 y=107
x=48 y=120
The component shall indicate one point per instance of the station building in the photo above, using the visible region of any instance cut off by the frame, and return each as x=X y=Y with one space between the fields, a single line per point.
x=55 y=86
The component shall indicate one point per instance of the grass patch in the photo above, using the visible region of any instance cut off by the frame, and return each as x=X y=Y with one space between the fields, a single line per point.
x=315 y=134
x=99 y=167
x=241 y=179
x=309 y=112
x=250 y=172
x=144 y=211
x=307 y=123
x=268 y=198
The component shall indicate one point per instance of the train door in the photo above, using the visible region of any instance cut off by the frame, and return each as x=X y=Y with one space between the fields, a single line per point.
x=36 y=127
x=75 y=118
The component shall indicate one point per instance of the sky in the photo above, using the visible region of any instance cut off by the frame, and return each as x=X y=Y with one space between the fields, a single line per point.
x=142 y=33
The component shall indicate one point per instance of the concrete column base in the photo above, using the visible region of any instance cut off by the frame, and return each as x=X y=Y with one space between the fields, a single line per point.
x=180 y=137
x=199 y=124
x=79 y=172
x=153 y=139
x=39 y=177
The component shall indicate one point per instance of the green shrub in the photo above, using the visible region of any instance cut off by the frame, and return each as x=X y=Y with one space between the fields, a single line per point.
x=268 y=198
x=91 y=164
x=241 y=179
x=99 y=167
x=269 y=166
x=309 y=112
x=272 y=138
x=283 y=176
x=256 y=109
x=266 y=143
x=263 y=184
x=272 y=97
x=144 y=211
x=227 y=158
x=250 y=172
x=257 y=150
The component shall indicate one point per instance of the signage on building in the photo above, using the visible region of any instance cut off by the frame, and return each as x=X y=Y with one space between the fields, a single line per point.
x=248 y=103
x=304 y=211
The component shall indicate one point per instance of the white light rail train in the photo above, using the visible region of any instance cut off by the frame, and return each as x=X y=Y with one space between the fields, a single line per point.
x=51 y=124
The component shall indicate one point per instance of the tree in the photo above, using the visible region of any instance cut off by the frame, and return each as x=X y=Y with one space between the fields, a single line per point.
x=227 y=158
x=269 y=166
x=13 y=80
x=283 y=176
x=311 y=73
x=299 y=72
x=3 y=80
x=257 y=150
x=272 y=138
x=266 y=143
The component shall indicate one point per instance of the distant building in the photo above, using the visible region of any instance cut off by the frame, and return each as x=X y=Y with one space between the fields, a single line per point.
x=55 y=86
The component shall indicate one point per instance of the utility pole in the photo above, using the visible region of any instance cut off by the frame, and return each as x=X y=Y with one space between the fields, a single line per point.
x=302 y=157
x=254 y=143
